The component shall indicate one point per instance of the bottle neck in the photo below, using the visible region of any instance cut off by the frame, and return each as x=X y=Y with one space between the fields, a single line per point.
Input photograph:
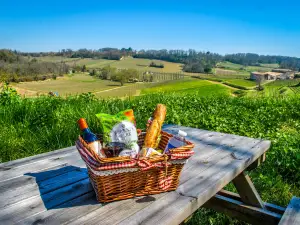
x=86 y=130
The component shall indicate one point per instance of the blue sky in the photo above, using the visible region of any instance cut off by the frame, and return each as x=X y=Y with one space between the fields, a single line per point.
x=264 y=27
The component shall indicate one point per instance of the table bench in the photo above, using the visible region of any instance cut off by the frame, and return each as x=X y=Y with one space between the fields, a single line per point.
x=292 y=213
x=53 y=188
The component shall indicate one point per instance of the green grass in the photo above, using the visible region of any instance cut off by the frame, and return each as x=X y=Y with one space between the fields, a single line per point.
x=272 y=65
x=193 y=86
x=242 y=82
x=275 y=88
x=37 y=125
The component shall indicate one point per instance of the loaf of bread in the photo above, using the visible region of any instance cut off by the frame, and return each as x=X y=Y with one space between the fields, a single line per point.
x=154 y=129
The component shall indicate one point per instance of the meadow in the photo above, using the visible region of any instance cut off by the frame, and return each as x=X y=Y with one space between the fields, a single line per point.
x=279 y=88
x=241 y=82
x=192 y=86
x=35 y=125
x=125 y=63
x=70 y=85
x=238 y=67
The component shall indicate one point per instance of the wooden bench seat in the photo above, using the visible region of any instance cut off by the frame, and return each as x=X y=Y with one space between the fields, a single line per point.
x=291 y=215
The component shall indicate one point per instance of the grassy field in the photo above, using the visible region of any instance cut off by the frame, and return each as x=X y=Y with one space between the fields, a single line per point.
x=241 y=82
x=55 y=59
x=278 y=88
x=83 y=83
x=92 y=63
x=192 y=86
x=69 y=85
x=238 y=67
x=126 y=63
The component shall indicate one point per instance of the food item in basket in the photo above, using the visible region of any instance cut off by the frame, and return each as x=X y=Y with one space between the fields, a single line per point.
x=90 y=138
x=114 y=148
x=117 y=128
x=124 y=132
x=152 y=152
x=129 y=152
x=176 y=141
x=154 y=128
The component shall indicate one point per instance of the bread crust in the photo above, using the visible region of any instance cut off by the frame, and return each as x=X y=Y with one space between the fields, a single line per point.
x=154 y=129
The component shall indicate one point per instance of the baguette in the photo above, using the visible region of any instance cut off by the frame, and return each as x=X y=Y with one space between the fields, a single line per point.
x=154 y=129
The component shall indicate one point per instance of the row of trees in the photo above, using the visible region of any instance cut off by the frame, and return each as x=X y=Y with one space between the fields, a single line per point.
x=250 y=59
x=102 y=53
x=192 y=60
x=111 y=73
x=153 y=64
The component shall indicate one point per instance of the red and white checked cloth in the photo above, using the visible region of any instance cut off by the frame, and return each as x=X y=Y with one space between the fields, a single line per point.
x=182 y=155
x=165 y=183
x=95 y=165
x=146 y=165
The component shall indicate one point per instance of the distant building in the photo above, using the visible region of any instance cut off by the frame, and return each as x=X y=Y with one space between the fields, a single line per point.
x=276 y=74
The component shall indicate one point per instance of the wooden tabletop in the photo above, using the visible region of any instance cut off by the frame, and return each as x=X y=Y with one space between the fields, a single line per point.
x=53 y=188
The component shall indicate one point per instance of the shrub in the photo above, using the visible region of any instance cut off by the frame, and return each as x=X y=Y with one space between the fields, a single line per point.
x=282 y=90
x=240 y=93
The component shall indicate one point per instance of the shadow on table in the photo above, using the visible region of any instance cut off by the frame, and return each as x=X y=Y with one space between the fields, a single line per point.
x=65 y=187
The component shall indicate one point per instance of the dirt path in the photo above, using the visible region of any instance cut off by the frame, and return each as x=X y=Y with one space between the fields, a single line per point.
x=96 y=92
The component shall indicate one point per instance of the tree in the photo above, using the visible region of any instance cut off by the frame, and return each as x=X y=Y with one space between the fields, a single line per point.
x=83 y=69
x=107 y=72
x=259 y=80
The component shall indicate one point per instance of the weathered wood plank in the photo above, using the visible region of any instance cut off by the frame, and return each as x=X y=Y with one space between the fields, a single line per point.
x=292 y=213
x=257 y=162
x=171 y=209
x=215 y=177
x=28 y=207
x=226 y=147
x=35 y=158
x=115 y=212
x=8 y=173
x=14 y=195
x=247 y=191
x=239 y=210
x=68 y=211
x=269 y=206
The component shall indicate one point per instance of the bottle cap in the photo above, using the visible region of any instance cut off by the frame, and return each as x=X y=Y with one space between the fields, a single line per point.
x=129 y=113
x=82 y=124
x=182 y=133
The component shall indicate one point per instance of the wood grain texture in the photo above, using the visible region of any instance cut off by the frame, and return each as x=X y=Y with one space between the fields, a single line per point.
x=239 y=210
x=247 y=191
x=292 y=214
x=66 y=196
x=9 y=173
x=269 y=206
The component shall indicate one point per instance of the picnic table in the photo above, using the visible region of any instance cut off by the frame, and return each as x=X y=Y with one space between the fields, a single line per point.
x=54 y=188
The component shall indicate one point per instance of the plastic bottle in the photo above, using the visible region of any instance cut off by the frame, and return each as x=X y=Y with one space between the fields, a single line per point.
x=176 y=141
x=90 y=138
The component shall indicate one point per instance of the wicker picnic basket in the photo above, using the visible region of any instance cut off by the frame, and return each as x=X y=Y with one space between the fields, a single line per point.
x=123 y=177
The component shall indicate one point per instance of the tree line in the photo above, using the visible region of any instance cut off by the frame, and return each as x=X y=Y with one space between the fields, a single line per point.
x=251 y=59
x=16 y=68
x=102 y=53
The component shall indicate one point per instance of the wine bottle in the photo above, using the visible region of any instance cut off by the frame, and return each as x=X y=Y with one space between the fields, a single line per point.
x=90 y=138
